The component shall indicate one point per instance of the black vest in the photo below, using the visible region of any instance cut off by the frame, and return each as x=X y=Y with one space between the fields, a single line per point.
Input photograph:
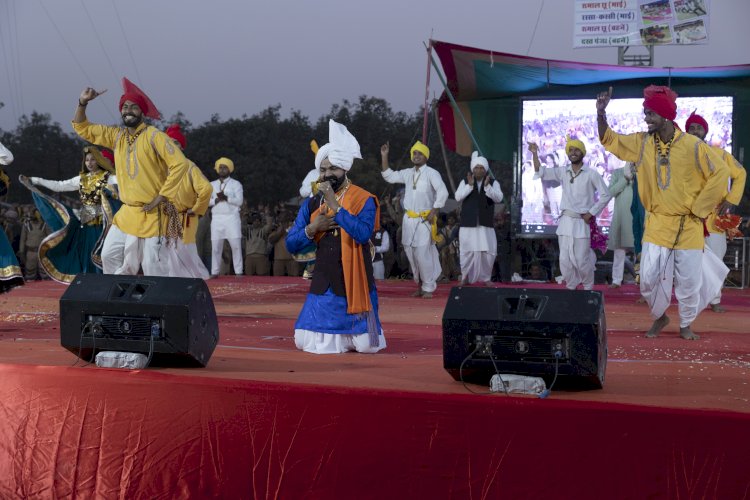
x=477 y=209
x=328 y=270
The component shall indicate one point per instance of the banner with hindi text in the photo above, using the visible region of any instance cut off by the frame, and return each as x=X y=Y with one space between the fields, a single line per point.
x=616 y=23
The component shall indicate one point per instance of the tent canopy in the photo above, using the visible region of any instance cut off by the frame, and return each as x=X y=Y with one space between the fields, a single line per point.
x=488 y=87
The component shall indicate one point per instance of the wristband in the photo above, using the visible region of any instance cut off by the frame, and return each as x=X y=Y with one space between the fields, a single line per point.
x=81 y=104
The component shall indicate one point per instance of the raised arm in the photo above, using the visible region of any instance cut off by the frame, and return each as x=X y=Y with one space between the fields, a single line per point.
x=384 y=150
x=88 y=94
x=602 y=100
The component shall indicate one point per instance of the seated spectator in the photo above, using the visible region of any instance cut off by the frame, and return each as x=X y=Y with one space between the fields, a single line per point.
x=283 y=262
x=258 y=246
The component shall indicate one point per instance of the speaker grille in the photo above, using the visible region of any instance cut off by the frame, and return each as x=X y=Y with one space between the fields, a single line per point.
x=123 y=327
x=528 y=348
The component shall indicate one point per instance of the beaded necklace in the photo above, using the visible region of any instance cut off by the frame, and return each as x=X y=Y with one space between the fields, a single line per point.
x=130 y=139
x=663 y=161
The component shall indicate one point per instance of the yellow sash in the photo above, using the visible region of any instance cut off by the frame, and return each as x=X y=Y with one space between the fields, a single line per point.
x=433 y=226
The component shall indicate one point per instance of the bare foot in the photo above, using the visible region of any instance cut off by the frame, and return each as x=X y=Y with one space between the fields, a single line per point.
x=640 y=300
x=687 y=334
x=418 y=293
x=657 y=327
x=717 y=308
x=614 y=285
x=426 y=295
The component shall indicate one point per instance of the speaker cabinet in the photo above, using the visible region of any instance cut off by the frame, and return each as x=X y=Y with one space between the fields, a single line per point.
x=526 y=331
x=103 y=312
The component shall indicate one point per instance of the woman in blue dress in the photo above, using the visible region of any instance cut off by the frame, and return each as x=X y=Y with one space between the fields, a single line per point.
x=10 y=272
x=74 y=245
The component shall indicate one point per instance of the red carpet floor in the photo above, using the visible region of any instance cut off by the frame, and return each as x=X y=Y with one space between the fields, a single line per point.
x=264 y=420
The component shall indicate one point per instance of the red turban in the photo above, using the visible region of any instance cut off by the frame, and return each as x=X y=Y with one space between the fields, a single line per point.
x=661 y=100
x=108 y=155
x=175 y=133
x=135 y=95
x=693 y=118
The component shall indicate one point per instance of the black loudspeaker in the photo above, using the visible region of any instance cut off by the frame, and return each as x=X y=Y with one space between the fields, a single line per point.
x=104 y=312
x=526 y=331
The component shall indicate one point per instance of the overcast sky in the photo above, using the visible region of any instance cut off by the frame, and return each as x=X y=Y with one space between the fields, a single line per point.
x=232 y=57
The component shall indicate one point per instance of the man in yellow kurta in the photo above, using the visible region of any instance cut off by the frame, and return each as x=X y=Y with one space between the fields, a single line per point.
x=680 y=181
x=191 y=202
x=717 y=240
x=149 y=170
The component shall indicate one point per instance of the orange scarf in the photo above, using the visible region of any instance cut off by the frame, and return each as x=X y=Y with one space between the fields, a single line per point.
x=355 y=274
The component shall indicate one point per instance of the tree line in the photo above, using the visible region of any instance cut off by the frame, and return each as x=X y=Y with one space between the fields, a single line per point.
x=271 y=153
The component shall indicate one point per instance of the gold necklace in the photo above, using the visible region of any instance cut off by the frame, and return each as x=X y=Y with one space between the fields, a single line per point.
x=415 y=178
x=130 y=139
x=663 y=157
x=663 y=162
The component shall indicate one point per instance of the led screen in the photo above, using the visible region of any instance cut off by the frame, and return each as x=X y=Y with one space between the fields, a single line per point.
x=547 y=122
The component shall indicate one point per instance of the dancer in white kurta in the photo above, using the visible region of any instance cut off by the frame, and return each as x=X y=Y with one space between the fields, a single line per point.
x=579 y=184
x=717 y=239
x=226 y=201
x=424 y=196
x=477 y=240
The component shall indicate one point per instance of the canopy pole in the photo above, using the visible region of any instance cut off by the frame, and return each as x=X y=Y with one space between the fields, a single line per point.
x=442 y=146
x=455 y=105
x=426 y=115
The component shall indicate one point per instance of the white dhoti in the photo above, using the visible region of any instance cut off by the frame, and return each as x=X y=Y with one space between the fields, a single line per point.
x=124 y=253
x=618 y=266
x=577 y=259
x=184 y=261
x=321 y=343
x=424 y=260
x=717 y=242
x=378 y=270
x=226 y=227
x=478 y=249
x=697 y=276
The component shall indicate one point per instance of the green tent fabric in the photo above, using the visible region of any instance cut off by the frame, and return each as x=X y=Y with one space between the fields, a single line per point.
x=489 y=86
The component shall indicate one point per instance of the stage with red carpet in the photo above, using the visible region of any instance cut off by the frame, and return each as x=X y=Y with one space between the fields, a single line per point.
x=264 y=420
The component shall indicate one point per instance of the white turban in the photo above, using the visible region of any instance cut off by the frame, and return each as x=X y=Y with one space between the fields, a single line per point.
x=341 y=149
x=478 y=160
